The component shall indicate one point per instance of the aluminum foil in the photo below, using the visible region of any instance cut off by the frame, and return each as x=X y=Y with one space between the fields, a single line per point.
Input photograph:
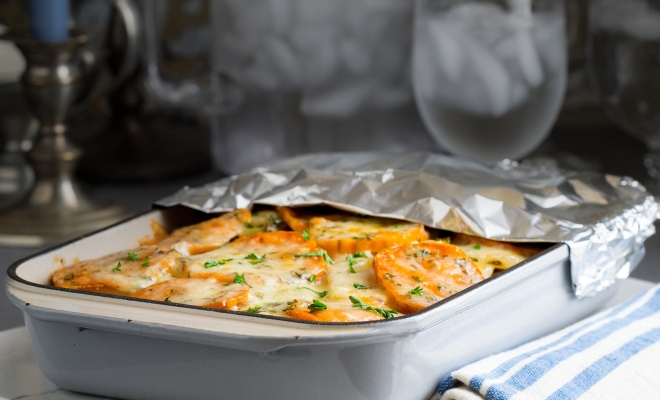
x=604 y=219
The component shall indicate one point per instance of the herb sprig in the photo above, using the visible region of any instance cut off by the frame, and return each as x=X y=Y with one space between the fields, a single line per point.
x=357 y=303
x=418 y=291
x=320 y=294
x=211 y=264
x=320 y=253
x=317 y=306
x=351 y=263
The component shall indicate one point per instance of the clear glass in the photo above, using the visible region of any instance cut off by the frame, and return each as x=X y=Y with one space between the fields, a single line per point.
x=624 y=64
x=489 y=77
x=282 y=77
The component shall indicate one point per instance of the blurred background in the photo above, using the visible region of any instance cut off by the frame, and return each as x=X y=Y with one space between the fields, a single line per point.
x=109 y=105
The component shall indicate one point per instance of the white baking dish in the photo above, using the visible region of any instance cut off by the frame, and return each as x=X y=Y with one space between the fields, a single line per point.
x=138 y=349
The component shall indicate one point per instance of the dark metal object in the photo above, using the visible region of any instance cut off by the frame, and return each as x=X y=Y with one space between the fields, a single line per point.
x=55 y=209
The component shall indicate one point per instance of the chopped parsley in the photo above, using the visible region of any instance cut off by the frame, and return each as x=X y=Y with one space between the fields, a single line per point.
x=320 y=294
x=316 y=306
x=351 y=263
x=117 y=268
x=357 y=303
x=477 y=247
x=253 y=310
x=248 y=225
x=305 y=234
x=145 y=264
x=312 y=278
x=358 y=286
x=239 y=278
x=255 y=257
x=320 y=253
x=360 y=255
x=418 y=291
x=368 y=236
x=417 y=278
x=211 y=264
x=133 y=256
x=398 y=226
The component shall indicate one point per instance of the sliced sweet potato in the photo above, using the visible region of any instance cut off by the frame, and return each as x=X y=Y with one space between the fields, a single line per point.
x=297 y=219
x=350 y=234
x=418 y=275
x=120 y=273
x=196 y=292
x=334 y=315
x=263 y=221
x=490 y=255
x=275 y=259
x=207 y=235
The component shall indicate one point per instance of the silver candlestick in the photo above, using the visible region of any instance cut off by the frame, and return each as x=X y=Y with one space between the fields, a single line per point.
x=56 y=209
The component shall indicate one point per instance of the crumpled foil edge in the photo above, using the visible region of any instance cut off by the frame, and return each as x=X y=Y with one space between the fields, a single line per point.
x=603 y=219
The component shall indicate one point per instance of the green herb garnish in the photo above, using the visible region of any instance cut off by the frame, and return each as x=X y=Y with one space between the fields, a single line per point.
x=117 y=268
x=418 y=291
x=320 y=294
x=316 y=306
x=257 y=258
x=357 y=303
x=358 y=286
x=368 y=236
x=417 y=278
x=239 y=278
x=305 y=234
x=320 y=253
x=211 y=264
x=351 y=263
x=360 y=255
x=145 y=264
x=133 y=256
x=477 y=247
x=312 y=278
x=398 y=226
x=248 y=225
x=253 y=310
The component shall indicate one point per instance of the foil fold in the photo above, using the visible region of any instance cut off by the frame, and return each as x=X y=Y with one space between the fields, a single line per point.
x=604 y=219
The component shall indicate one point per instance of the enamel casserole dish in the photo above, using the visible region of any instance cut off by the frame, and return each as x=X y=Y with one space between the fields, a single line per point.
x=131 y=348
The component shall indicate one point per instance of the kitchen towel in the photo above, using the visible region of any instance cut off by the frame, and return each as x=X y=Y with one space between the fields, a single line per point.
x=612 y=355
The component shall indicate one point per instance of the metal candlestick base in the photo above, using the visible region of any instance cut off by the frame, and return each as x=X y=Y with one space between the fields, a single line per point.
x=55 y=209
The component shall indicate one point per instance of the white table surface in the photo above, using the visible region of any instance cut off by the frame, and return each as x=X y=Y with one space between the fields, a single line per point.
x=20 y=376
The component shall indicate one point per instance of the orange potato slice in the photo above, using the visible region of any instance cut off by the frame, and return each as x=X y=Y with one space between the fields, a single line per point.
x=120 y=273
x=490 y=255
x=418 y=275
x=333 y=315
x=263 y=221
x=350 y=234
x=196 y=292
x=298 y=218
x=207 y=235
x=267 y=258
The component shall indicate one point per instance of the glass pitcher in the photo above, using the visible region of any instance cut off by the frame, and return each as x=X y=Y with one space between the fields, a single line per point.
x=282 y=77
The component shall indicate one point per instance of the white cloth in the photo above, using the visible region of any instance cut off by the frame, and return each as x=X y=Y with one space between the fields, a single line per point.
x=613 y=355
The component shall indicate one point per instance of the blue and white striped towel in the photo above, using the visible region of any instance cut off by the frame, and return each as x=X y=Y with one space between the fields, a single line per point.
x=613 y=355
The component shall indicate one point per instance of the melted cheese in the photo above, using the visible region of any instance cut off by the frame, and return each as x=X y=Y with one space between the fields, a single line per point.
x=348 y=235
